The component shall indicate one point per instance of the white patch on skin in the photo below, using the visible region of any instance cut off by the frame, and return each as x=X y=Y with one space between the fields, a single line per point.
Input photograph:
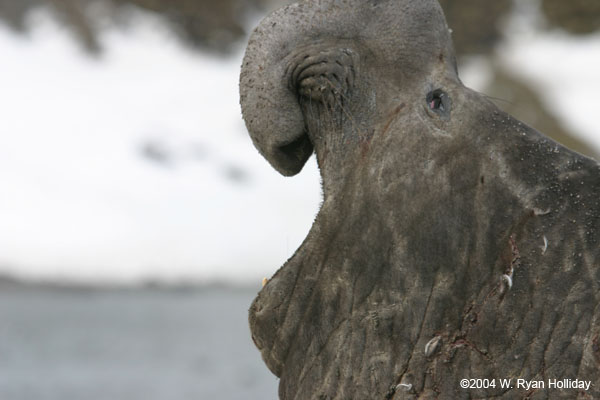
x=508 y=279
x=404 y=386
x=545 y=246
x=432 y=345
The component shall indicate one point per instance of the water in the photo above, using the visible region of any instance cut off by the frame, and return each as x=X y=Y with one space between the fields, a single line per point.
x=129 y=344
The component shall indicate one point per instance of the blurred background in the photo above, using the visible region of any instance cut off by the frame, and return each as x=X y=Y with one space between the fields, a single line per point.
x=136 y=218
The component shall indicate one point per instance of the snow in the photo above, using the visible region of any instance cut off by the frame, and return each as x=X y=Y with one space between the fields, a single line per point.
x=79 y=201
x=565 y=70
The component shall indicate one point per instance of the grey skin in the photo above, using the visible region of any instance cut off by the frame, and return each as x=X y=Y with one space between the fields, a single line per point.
x=453 y=241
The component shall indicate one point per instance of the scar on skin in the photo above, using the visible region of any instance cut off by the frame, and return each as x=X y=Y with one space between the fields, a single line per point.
x=392 y=117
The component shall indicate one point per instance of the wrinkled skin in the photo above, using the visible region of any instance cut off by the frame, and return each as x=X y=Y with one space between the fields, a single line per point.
x=453 y=241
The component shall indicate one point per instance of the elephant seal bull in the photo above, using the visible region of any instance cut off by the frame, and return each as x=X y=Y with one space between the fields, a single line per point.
x=453 y=241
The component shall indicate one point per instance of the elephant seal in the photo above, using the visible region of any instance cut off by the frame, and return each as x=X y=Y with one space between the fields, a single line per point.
x=453 y=242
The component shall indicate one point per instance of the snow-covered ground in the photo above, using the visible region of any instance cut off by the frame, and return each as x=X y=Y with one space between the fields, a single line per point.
x=79 y=200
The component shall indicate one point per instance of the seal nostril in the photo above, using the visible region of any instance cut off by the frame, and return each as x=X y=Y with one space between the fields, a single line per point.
x=438 y=101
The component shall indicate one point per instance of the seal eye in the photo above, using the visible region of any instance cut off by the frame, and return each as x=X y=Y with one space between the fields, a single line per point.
x=438 y=101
